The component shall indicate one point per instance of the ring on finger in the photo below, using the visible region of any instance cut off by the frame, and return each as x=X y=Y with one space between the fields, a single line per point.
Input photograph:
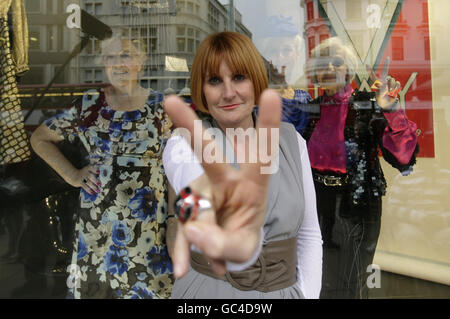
x=189 y=204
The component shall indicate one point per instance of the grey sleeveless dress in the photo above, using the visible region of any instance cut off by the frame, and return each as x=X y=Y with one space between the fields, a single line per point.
x=285 y=211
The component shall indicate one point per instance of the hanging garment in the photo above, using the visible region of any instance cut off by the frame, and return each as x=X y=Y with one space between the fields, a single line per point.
x=14 y=146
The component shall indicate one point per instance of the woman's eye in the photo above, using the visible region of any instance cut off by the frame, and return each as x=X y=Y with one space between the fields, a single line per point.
x=239 y=77
x=124 y=55
x=214 y=80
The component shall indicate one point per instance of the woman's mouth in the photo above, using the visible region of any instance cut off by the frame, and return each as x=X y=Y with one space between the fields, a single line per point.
x=120 y=72
x=229 y=107
x=329 y=78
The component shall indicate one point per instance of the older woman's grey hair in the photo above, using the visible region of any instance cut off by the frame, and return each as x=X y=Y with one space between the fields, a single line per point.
x=327 y=49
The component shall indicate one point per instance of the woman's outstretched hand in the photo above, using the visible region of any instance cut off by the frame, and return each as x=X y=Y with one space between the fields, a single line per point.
x=230 y=231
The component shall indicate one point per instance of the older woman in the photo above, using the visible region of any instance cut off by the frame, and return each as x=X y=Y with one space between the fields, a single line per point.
x=344 y=129
x=120 y=249
x=227 y=81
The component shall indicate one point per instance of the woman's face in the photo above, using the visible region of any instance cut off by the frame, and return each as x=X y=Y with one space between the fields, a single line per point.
x=230 y=98
x=122 y=63
x=331 y=71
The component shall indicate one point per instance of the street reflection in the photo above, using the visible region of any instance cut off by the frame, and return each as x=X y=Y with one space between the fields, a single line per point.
x=44 y=67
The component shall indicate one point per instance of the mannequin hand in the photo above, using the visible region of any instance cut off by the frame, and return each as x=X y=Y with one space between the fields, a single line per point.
x=386 y=87
x=86 y=178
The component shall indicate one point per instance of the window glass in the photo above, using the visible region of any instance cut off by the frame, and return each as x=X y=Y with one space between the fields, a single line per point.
x=382 y=203
x=33 y=5
x=35 y=38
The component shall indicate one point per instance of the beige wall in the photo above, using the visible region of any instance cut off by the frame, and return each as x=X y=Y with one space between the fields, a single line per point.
x=415 y=233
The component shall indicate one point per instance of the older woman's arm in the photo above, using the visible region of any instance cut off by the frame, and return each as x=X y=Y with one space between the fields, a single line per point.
x=399 y=143
x=44 y=141
x=399 y=138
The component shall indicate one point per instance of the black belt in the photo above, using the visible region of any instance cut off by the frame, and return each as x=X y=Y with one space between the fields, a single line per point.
x=330 y=180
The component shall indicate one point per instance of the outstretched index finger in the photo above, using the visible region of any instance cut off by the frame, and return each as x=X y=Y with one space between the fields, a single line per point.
x=267 y=130
x=385 y=68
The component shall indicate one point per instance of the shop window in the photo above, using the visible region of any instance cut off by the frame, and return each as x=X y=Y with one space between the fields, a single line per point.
x=152 y=44
x=60 y=41
x=145 y=83
x=93 y=47
x=34 y=76
x=88 y=76
x=190 y=45
x=397 y=49
x=181 y=44
x=50 y=38
x=134 y=32
x=180 y=6
x=428 y=47
x=89 y=7
x=190 y=7
x=93 y=76
x=154 y=84
x=33 y=6
x=421 y=26
x=310 y=10
x=323 y=37
x=61 y=78
x=353 y=9
x=187 y=40
x=49 y=6
x=98 y=7
x=213 y=17
x=181 y=83
x=311 y=44
x=60 y=6
x=425 y=12
x=180 y=30
x=34 y=34
x=98 y=76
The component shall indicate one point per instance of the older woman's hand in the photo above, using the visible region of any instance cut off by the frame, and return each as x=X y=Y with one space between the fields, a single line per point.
x=238 y=196
x=386 y=87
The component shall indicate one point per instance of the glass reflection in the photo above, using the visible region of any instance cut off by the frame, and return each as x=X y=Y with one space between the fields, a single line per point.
x=412 y=33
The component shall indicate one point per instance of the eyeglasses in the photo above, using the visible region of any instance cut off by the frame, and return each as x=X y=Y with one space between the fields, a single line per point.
x=323 y=62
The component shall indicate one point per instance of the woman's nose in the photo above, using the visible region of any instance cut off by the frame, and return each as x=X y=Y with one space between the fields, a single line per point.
x=229 y=90
x=330 y=65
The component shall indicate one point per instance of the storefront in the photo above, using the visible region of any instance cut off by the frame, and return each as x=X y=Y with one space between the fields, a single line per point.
x=51 y=54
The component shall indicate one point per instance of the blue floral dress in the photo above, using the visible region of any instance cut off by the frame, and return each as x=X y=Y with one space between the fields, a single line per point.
x=120 y=249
